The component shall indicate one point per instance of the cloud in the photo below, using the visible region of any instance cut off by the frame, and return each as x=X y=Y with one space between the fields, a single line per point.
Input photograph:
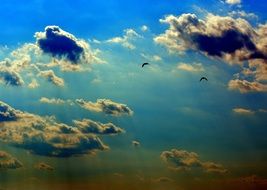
x=106 y=106
x=8 y=162
x=7 y=113
x=151 y=57
x=126 y=39
x=89 y=126
x=51 y=77
x=10 y=77
x=136 y=143
x=243 y=14
x=233 y=40
x=162 y=180
x=43 y=135
x=183 y=160
x=194 y=67
x=233 y=2
x=33 y=84
x=52 y=100
x=245 y=86
x=144 y=28
x=243 y=111
x=61 y=44
x=44 y=167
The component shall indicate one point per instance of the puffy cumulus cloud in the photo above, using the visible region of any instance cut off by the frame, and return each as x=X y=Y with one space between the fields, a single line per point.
x=43 y=135
x=245 y=86
x=51 y=77
x=243 y=111
x=183 y=160
x=106 y=106
x=52 y=100
x=21 y=58
x=44 y=167
x=63 y=45
x=233 y=2
x=126 y=39
x=194 y=67
x=257 y=68
x=252 y=78
x=89 y=126
x=233 y=40
x=8 y=162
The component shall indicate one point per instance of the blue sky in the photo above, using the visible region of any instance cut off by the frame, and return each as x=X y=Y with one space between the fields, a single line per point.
x=77 y=110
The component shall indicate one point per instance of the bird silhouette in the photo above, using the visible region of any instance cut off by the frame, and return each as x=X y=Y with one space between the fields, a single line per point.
x=203 y=78
x=145 y=64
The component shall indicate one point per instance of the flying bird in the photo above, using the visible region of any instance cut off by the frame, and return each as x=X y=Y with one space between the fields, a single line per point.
x=203 y=78
x=145 y=64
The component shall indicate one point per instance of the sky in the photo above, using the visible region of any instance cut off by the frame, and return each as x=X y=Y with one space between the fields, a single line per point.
x=78 y=110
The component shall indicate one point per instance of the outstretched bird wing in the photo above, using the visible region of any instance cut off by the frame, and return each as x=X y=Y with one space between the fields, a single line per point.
x=203 y=78
x=145 y=64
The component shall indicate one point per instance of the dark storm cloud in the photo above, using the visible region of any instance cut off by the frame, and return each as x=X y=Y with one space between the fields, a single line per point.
x=228 y=42
x=60 y=44
x=43 y=135
x=183 y=160
x=224 y=37
x=8 y=162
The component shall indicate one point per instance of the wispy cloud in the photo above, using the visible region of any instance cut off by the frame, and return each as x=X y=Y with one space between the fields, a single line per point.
x=194 y=67
x=126 y=40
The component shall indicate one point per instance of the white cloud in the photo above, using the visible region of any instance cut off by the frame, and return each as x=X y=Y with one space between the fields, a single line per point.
x=144 y=28
x=194 y=67
x=243 y=14
x=245 y=86
x=52 y=100
x=51 y=77
x=243 y=111
x=154 y=58
x=126 y=40
x=33 y=84
x=233 y=2
x=136 y=143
